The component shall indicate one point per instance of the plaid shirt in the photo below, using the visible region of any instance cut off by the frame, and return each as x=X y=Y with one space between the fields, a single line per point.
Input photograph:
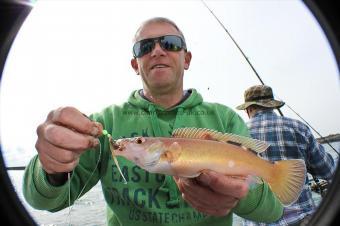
x=291 y=139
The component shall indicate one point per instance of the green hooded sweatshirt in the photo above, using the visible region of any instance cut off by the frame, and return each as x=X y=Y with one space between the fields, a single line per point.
x=147 y=199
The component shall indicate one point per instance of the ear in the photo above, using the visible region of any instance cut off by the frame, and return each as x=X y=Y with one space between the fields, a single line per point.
x=187 y=60
x=134 y=65
x=247 y=111
x=250 y=111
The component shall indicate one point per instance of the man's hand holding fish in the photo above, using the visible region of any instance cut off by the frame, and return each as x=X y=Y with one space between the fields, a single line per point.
x=212 y=193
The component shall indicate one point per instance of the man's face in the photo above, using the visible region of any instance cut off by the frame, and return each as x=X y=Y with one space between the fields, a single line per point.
x=161 y=70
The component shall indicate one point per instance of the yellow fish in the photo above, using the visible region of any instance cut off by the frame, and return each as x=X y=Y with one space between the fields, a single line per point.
x=190 y=151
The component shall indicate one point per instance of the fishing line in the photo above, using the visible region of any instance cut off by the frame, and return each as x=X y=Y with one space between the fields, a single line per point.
x=106 y=134
x=69 y=198
x=80 y=193
x=312 y=128
x=259 y=78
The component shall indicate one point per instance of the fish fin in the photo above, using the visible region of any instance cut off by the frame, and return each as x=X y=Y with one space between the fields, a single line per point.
x=193 y=133
x=208 y=134
x=193 y=175
x=288 y=179
x=189 y=176
x=175 y=147
x=120 y=171
x=173 y=153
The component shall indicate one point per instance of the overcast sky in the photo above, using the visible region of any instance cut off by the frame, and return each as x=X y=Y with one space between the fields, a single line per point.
x=78 y=53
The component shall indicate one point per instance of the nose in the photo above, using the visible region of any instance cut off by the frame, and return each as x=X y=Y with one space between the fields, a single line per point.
x=157 y=50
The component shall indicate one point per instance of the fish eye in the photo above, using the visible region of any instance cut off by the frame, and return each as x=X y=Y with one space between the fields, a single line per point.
x=140 y=140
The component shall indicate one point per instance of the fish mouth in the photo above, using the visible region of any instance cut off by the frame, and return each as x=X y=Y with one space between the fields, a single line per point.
x=117 y=145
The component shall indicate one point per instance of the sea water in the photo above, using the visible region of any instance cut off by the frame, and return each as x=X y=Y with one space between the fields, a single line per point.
x=89 y=210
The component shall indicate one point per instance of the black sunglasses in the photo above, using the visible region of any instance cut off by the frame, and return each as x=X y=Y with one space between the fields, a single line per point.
x=167 y=42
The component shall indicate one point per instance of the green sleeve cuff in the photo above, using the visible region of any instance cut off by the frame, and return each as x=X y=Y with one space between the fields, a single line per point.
x=44 y=187
x=39 y=192
x=260 y=205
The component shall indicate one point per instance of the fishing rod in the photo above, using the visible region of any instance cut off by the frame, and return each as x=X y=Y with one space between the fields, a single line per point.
x=259 y=78
x=326 y=140
x=16 y=168
x=238 y=47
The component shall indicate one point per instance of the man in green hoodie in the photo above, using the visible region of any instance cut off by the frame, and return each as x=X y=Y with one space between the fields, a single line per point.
x=68 y=141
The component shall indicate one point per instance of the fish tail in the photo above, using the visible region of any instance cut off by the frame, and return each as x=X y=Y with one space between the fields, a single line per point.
x=288 y=180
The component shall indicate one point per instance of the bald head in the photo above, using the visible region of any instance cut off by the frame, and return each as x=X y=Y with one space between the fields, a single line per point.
x=156 y=20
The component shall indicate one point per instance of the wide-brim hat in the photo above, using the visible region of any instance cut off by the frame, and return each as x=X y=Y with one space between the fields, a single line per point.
x=261 y=95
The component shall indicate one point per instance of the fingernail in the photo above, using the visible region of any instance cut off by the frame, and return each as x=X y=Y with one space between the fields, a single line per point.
x=94 y=131
x=204 y=179
x=95 y=142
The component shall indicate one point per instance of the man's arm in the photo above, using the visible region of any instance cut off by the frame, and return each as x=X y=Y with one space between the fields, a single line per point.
x=62 y=138
x=260 y=205
x=237 y=126
x=39 y=192
x=319 y=162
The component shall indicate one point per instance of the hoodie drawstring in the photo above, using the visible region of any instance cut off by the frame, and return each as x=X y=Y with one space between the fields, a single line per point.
x=168 y=186
x=178 y=119
x=154 y=121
